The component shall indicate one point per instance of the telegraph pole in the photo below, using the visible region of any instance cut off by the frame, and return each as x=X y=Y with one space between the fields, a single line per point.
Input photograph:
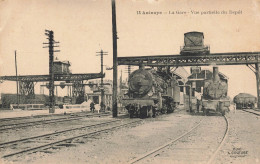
x=257 y=74
x=114 y=98
x=101 y=53
x=129 y=71
x=17 y=88
x=51 y=71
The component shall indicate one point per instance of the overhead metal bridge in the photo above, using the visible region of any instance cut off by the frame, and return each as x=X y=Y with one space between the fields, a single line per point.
x=238 y=58
x=57 y=77
x=251 y=59
x=27 y=83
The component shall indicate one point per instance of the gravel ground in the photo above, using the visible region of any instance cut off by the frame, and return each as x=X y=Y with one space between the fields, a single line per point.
x=123 y=145
x=26 y=113
x=242 y=144
x=9 y=135
x=195 y=147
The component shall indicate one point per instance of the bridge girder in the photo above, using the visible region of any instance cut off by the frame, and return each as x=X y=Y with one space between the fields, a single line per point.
x=198 y=60
x=78 y=91
x=57 y=77
x=26 y=83
x=27 y=89
x=236 y=58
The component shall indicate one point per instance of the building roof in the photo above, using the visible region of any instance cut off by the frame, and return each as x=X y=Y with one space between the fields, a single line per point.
x=62 y=62
x=180 y=71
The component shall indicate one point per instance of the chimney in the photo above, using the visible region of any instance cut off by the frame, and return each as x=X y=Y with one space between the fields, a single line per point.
x=215 y=74
x=141 y=66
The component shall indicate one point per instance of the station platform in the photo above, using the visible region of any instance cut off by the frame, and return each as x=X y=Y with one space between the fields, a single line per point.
x=28 y=113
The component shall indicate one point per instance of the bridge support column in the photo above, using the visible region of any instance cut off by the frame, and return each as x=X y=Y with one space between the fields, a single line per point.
x=27 y=89
x=257 y=73
x=78 y=91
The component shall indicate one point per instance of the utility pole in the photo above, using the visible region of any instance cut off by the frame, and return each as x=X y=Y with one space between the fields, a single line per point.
x=102 y=103
x=129 y=71
x=17 y=88
x=121 y=83
x=114 y=31
x=257 y=74
x=190 y=98
x=51 y=71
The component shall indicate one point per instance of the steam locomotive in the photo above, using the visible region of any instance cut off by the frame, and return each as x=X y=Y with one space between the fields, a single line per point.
x=215 y=94
x=150 y=93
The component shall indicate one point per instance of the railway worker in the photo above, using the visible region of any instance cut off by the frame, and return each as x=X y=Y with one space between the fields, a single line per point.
x=155 y=108
x=92 y=107
x=198 y=97
x=97 y=107
x=235 y=107
x=198 y=105
x=102 y=106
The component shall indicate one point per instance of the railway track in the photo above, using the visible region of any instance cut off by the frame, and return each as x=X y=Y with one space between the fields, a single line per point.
x=171 y=143
x=221 y=143
x=252 y=112
x=48 y=121
x=53 y=140
x=36 y=116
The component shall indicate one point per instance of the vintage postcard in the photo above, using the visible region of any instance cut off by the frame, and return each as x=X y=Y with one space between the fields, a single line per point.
x=129 y=81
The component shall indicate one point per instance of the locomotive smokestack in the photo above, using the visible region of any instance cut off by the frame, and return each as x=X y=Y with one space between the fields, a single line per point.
x=215 y=74
x=141 y=66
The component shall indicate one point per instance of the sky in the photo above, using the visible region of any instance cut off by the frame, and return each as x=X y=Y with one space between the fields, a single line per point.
x=84 y=27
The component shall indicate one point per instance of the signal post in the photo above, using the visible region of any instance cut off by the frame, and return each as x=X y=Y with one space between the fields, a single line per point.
x=101 y=53
x=257 y=74
x=114 y=98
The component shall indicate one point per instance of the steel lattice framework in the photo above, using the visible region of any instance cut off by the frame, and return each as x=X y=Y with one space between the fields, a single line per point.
x=27 y=88
x=78 y=91
x=251 y=59
x=26 y=83
x=57 y=77
x=199 y=60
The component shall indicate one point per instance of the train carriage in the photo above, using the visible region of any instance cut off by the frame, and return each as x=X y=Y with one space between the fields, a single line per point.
x=245 y=101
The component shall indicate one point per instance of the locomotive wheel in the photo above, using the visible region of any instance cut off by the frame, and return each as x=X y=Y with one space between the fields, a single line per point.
x=144 y=112
x=150 y=113
x=154 y=112
x=207 y=112
x=131 y=114
x=223 y=112
x=170 y=109
x=164 y=110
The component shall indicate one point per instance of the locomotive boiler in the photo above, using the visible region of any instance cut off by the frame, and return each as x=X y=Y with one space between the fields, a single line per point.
x=150 y=93
x=215 y=94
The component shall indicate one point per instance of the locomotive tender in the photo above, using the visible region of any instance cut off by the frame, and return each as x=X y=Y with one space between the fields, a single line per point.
x=150 y=93
x=215 y=94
